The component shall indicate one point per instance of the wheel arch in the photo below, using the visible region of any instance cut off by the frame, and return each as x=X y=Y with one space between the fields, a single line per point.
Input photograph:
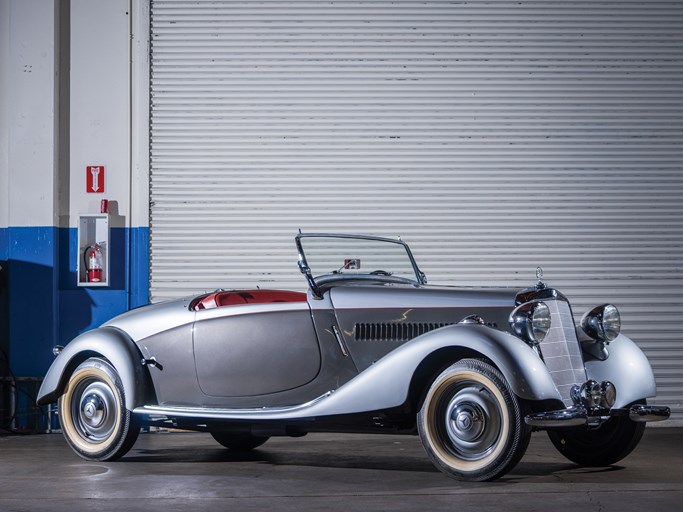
x=429 y=369
x=522 y=368
x=108 y=343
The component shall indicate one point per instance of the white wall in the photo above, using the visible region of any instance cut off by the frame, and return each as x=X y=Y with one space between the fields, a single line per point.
x=140 y=71
x=42 y=163
x=100 y=102
x=4 y=127
x=27 y=126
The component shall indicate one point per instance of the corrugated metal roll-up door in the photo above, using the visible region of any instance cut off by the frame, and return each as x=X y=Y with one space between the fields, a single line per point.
x=492 y=136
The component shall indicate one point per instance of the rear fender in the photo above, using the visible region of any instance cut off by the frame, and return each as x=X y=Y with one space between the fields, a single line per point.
x=109 y=343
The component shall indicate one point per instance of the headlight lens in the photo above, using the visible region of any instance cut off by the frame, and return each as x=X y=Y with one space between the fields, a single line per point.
x=540 y=321
x=531 y=322
x=602 y=323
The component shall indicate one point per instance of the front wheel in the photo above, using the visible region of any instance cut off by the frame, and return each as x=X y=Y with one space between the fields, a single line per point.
x=471 y=423
x=603 y=446
x=93 y=414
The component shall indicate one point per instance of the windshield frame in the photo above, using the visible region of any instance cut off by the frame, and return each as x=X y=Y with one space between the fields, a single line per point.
x=316 y=282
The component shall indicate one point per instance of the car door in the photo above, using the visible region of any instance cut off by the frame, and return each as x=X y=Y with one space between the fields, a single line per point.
x=255 y=349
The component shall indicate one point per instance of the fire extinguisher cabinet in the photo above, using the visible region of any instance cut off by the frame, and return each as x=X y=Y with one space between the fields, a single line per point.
x=93 y=249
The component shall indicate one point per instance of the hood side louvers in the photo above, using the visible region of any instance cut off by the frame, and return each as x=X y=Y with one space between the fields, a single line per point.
x=394 y=331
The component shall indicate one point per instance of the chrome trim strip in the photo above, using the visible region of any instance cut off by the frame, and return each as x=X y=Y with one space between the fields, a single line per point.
x=340 y=341
x=262 y=413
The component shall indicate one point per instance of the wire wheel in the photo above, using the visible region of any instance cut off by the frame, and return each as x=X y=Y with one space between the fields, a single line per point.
x=470 y=423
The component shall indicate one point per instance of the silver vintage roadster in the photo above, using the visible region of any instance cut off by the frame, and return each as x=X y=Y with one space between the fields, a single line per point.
x=370 y=348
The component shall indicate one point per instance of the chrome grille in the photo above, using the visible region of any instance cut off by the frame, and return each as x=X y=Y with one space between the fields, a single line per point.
x=561 y=351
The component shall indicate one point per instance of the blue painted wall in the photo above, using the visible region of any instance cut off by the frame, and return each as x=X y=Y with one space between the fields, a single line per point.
x=31 y=296
x=43 y=304
x=4 y=335
x=3 y=244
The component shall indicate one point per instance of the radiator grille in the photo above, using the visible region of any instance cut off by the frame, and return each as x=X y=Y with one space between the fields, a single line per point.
x=561 y=352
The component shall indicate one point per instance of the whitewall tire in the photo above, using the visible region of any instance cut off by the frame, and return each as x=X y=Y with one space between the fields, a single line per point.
x=93 y=414
x=471 y=423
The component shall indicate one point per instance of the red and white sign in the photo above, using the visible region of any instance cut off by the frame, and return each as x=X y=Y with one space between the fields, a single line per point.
x=94 y=179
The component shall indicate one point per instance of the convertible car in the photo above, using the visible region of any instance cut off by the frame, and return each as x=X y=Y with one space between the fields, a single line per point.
x=369 y=348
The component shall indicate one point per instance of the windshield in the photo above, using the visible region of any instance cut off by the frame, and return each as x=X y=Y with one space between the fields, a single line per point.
x=349 y=255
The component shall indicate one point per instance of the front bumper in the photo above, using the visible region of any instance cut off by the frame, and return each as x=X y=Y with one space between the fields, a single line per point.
x=579 y=415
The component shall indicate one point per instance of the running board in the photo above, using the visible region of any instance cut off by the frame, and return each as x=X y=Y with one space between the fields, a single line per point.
x=215 y=413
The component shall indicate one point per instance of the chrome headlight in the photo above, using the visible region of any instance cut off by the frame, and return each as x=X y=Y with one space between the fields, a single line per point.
x=531 y=321
x=602 y=323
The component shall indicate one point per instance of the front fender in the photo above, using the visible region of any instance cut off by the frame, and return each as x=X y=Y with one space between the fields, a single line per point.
x=628 y=369
x=520 y=365
x=387 y=382
x=110 y=343
x=524 y=370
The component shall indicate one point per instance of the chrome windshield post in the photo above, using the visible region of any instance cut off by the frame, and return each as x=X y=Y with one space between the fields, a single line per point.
x=306 y=271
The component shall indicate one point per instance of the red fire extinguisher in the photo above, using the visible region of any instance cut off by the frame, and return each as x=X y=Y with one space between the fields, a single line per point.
x=93 y=263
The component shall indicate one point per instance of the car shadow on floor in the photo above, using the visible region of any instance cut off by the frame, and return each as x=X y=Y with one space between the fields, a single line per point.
x=540 y=469
x=320 y=459
x=336 y=460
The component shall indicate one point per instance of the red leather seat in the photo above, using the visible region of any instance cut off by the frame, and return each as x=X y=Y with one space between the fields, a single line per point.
x=241 y=297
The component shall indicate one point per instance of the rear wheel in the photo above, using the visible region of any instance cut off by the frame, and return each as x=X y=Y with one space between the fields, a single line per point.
x=603 y=446
x=240 y=441
x=93 y=414
x=471 y=423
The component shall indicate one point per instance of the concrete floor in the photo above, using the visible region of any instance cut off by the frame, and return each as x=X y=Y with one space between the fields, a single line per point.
x=326 y=472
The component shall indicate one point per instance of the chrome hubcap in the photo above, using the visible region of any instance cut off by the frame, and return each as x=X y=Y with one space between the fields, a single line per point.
x=472 y=422
x=94 y=413
x=467 y=421
x=93 y=410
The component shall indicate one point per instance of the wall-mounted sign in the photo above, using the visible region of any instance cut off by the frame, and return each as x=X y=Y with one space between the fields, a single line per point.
x=94 y=179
